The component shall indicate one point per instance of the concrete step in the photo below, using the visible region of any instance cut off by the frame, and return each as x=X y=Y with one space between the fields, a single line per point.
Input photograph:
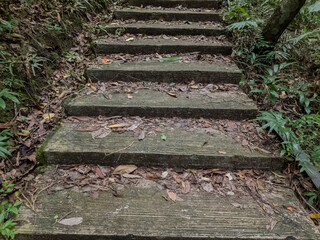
x=167 y=15
x=165 y=72
x=190 y=149
x=158 y=29
x=147 y=46
x=150 y=103
x=175 y=3
x=141 y=211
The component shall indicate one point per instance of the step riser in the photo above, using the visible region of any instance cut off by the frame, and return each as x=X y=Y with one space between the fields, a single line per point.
x=111 y=48
x=168 y=31
x=231 y=114
x=96 y=75
x=174 y=3
x=178 y=16
x=162 y=160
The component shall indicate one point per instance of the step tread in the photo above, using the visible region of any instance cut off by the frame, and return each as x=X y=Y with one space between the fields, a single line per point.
x=165 y=72
x=147 y=46
x=212 y=12
x=143 y=213
x=167 y=15
x=194 y=148
x=158 y=42
x=173 y=3
x=158 y=29
x=150 y=103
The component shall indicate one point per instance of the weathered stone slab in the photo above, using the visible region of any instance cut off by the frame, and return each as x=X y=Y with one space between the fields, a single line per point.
x=174 y=3
x=150 y=103
x=165 y=72
x=194 y=149
x=147 y=46
x=159 y=29
x=167 y=15
x=143 y=213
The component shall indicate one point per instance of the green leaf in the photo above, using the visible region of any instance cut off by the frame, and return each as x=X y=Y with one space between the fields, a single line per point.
x=12 y=98
x=163 y=137
x=169 y=59
x=2 y=103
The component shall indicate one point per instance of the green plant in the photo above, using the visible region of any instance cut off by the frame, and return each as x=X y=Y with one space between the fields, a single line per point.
x=301 y=133
x=313 y=196
x=5 y=143
x=7 y=224
x=120 y=31
x=36 y=63
x=5 y=93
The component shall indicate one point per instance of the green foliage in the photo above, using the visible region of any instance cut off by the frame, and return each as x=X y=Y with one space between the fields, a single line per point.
x=301 y=133
x=120 y=31
x=5 y=143
x=7 y=211
x=6 y=94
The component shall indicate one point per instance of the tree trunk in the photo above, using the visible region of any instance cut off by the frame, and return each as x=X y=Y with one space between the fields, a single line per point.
x=280 y=19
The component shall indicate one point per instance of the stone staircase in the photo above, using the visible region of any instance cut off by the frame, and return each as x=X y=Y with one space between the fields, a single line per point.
x=143 y=212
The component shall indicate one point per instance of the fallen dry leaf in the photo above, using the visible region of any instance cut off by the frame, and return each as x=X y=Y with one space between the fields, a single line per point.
x=314 y=215
x=98 y=172
x=142 y=135
x=186 y=187
x=106 y=61
x=260 y=184
x=48 y=117
x=290 y=208
x=172 y=94
x=100 y=133
x=129 y=39
x=71 y=221
x=123 y=169
x=173 y=196
x=244 y=142
x=119 y=125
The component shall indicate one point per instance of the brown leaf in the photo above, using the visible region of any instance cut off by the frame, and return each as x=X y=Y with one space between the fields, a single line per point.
x=176 y=177
x=172 y=195
x=290 y=208
x=244 y=142
x=314 y=215
x=119 y=125
x=172 y=94
x=186 y=187
x=142 y=135
x=48 y=117
x=98 y=172
x=123 y=169
x=5 y=125
x=260 y=184
x=100 y=133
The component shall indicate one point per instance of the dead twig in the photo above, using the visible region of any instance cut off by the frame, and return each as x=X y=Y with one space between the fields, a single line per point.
x=119 y=150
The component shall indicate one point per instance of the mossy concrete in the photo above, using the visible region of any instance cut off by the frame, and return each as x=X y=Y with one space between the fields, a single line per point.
x=187 y=149
x=175 y=3
x=159 y=29
x=147 y=46
x=143 y=213
x=150 y=103
x=165 y=72
x=167 y=15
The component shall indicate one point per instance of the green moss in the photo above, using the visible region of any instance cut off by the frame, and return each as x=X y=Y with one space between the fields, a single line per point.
x=40 y=156
x=40 y=153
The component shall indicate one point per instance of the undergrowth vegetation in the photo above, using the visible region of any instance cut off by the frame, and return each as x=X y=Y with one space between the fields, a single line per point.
x=285 y=79
x=36 y=39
